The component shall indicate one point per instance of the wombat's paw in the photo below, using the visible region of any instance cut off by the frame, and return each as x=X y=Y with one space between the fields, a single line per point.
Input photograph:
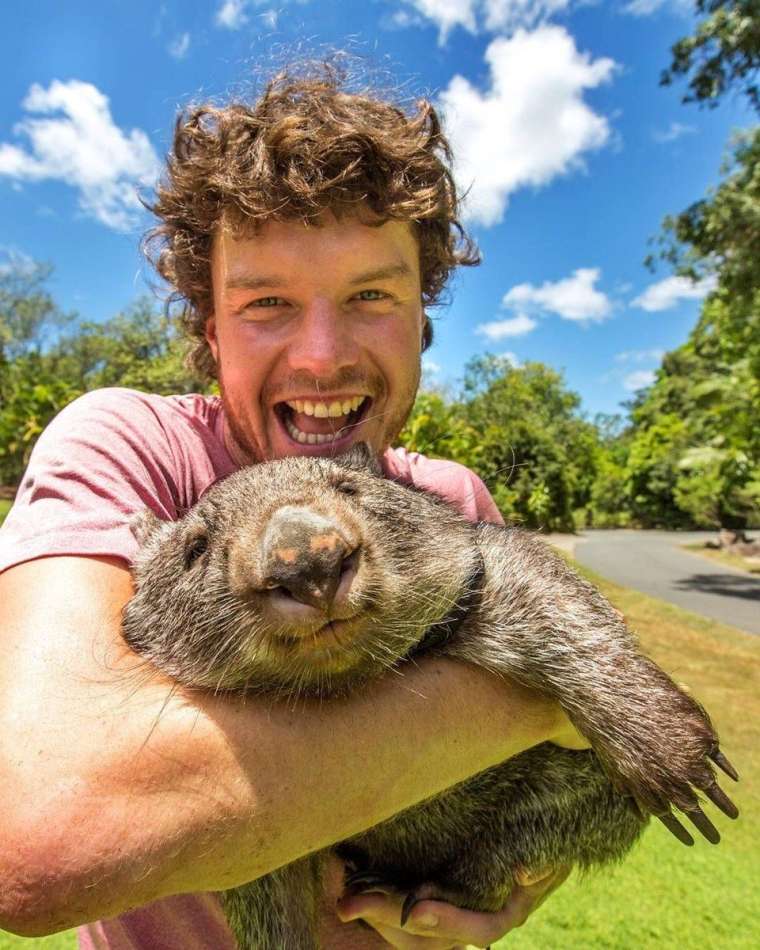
x=676 y=777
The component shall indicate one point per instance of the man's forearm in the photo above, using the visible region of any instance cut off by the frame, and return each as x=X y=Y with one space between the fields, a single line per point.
x=122 y=791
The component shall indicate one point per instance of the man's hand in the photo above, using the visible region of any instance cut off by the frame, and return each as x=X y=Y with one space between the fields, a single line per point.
x=435 y=925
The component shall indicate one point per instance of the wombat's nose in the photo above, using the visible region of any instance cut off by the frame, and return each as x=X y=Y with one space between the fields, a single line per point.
x=307 y=555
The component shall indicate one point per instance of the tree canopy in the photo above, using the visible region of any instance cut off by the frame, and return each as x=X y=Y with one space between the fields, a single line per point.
x=723 y=54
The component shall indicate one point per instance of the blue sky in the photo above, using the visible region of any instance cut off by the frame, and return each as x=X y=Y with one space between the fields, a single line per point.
x=572 y=153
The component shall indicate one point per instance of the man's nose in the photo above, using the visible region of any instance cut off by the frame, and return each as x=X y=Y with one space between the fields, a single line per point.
x=324 y=342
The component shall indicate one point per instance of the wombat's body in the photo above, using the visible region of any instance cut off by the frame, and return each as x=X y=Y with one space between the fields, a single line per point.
x=308 y=576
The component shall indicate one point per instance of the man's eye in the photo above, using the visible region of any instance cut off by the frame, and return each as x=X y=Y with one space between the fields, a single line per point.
x=371 y=295
x=266 y=302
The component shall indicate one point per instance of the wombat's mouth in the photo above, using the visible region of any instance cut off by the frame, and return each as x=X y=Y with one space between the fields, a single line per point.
x=334 y=642
x=319 y=423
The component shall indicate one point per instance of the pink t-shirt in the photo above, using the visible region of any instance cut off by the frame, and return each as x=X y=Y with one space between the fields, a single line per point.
x=108 y=455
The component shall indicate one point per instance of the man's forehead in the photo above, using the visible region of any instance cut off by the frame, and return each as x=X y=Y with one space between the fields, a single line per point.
x=252 y=257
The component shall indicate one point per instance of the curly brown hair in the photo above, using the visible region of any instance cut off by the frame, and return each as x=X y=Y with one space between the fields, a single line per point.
x=305 y=147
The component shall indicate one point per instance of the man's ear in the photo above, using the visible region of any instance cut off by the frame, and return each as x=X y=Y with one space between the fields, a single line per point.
x=144 y=525
x=211 y=338
x=360 y=458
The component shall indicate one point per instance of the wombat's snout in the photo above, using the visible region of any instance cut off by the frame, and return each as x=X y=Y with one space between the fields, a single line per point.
x=309 y=556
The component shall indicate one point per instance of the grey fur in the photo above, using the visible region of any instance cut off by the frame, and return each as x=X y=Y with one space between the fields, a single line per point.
x=210 y=617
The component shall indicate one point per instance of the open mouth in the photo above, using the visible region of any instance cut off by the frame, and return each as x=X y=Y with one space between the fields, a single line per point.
x=320 y=422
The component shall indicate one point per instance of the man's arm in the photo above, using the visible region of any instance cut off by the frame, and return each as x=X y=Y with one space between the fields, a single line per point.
x=117 y=789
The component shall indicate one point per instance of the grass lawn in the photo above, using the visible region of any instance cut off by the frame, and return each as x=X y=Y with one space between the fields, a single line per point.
x=724 y=557
x=664 y=896
x=5 y=507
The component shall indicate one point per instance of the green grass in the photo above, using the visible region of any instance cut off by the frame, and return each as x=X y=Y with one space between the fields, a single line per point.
x=63 y=941
x=5 y=507
x=752 y=565
x=664 y=896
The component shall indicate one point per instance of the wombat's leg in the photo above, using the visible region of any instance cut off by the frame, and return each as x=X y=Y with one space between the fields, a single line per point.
x=278 y=911
x=552 y=630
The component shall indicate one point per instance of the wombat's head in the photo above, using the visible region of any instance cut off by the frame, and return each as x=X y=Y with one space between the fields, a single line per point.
x=304 y=574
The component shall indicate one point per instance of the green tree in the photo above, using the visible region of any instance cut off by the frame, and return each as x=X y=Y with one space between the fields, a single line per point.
x=47 y=358
x=722 y=54
x=29 y=317
x=141 y=348
x=439 y=428
x=719 y=236
x=694 y=451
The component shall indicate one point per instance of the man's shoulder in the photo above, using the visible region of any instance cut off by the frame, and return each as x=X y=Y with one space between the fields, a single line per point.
x=120 y=400
x=452 y=481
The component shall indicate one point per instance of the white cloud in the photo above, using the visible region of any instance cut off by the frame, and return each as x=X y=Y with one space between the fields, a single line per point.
x=668 y=292
x=179 y=46
x=642 y=8
x=497 y=16
x=80 y=145
x=16 y=262
x=511 y=358
x=234 y=14
x=231 y=14
x=514 y=326
x=446 y=14
x=510 y=15
x=574 y=298
x=430 y=366
x=530 y=125
x=638 y=379
x=639 y=356
x=675 y=131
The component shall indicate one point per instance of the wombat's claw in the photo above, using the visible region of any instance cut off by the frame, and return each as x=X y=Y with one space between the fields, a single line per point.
x=409 y=902
x=703 y=824
x=722 y=762
x=718 y=797
x=675 y=827
x=361 y=881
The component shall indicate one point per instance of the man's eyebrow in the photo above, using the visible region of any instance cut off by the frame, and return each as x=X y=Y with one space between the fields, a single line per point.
x=249 y=282
x=252 y=282
x=383 y=273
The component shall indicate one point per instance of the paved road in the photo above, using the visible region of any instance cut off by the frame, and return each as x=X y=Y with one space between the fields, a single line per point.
x=652 y=562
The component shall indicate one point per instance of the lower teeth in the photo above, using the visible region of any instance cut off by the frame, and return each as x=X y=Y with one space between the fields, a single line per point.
x=310 y=438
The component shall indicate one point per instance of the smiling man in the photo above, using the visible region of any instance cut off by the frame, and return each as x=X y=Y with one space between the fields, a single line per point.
x=321 y=328
x=306 y=234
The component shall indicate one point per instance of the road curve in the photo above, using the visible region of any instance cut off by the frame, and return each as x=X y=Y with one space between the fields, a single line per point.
x=652 y=562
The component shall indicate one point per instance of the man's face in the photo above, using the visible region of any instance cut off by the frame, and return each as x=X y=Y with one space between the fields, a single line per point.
x=317 y=335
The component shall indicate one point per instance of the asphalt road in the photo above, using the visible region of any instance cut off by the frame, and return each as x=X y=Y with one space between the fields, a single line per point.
x=652 y=562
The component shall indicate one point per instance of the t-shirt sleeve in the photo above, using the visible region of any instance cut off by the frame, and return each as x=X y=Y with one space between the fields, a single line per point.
x=455 y=483
x=100 y=461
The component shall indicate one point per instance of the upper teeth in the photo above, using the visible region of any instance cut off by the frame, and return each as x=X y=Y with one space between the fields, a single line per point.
x=324 y=410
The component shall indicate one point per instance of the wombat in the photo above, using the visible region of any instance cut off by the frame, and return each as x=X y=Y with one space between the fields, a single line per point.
x=308 y=576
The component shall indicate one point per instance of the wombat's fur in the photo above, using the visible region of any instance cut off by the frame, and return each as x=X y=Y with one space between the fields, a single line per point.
x=307 y=576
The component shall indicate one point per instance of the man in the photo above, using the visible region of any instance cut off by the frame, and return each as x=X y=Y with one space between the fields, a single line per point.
x=305 y=234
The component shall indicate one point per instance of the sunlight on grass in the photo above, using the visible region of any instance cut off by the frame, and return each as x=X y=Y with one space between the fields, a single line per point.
x=5 y=507
x=750 y=564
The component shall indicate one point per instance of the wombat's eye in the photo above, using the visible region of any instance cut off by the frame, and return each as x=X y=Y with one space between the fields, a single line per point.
x=195 y=548
x=347 y=488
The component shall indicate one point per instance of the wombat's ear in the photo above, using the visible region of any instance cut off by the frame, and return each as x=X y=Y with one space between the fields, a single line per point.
x=360 y=458
x=144 y=525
